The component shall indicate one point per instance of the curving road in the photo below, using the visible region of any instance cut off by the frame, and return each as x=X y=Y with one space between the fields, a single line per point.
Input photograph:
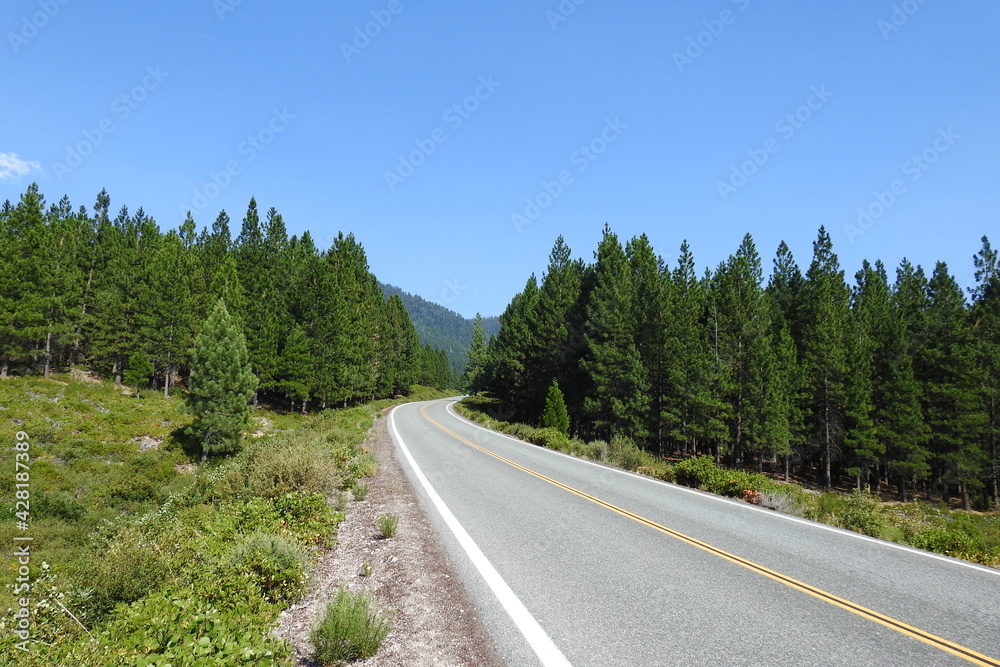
x=571 y=562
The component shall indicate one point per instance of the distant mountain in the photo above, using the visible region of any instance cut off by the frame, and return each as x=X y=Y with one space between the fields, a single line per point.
x=440 y=327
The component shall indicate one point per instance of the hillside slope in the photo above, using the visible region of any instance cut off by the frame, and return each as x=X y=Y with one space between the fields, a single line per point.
x=440 y=327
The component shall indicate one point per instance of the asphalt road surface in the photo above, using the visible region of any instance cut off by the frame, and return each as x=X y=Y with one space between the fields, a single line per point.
x=574 y=563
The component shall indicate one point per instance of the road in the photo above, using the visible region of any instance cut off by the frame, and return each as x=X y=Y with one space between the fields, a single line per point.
x=571 y=562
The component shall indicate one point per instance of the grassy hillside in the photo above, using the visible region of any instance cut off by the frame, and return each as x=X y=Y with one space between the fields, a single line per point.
x=441 y=328
x=140 y=555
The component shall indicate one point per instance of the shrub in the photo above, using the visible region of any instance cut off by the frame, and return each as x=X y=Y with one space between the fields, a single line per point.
x=275 y=564
x=131 y=566
x=272 y=468
x=550 y=438
x=365 y=465
x=350 y=630
x=387 y=524
x=861 y=513
x=360 y=490
x=308 y=518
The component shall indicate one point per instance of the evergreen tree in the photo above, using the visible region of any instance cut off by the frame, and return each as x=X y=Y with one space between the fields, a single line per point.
x=825 y=353
x=550 y=352
x=472 y=378
x=952 y=397
x=222 y=384
x=649 y=281
x=294 y=368
x=508 y=352
x=618 y=399
x=554 y=415
x=986 y=322
x=691 y=410
x=138 y=371
x=741 y=324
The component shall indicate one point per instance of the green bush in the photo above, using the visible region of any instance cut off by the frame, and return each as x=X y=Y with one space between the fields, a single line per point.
x=308 y=518
x=299 y=462
x=274 y=563
x=365 y=465
x=350 y=630
x=549 y=438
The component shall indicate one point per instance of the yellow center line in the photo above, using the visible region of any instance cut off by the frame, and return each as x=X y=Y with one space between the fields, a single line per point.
x=864 y=612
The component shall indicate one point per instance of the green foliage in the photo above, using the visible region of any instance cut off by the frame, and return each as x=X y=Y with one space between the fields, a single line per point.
x=156 y=577
x=388 y=524
x=359 y=490
x=364 y=465
x=222 y=384
x=138 y=371
x=555 y=415
x=350 y=630
x=275 y=564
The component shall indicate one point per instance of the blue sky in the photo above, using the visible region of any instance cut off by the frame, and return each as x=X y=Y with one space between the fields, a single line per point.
x=699 y=121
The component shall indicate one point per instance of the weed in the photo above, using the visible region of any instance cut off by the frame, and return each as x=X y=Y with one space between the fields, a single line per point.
x=359 y=490
x=387 y=524
x=350 y=630
x=367 y=569
x=365 y=465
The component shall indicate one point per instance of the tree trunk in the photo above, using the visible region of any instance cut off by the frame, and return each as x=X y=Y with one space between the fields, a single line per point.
x=3 y=368
x=963 y=490
x=166 y=381
x=48 y=355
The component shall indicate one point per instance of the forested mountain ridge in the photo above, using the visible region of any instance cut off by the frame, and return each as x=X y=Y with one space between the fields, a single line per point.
x=440 y=327
x=115 y=294
x=877 y=382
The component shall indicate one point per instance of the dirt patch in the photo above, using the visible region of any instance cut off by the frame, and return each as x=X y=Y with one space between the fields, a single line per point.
x=436 y=622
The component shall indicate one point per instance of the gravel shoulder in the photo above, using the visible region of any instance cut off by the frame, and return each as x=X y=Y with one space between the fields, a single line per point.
x=436 y=622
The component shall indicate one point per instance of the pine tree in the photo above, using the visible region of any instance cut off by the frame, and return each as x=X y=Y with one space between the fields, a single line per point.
x=550 y=352
x=138 y=371
x=691 y=410
x=649 y=281
x=825 y=353
x=508 y=351
x=742 y=323
x=986 y=322
x=617 y=400
x=472 y=379
x=294 y=368
x=554 y=415
x=952 y=388
x=222 y=384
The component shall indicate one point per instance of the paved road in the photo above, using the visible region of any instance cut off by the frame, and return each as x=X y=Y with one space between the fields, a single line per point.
x=574 y=563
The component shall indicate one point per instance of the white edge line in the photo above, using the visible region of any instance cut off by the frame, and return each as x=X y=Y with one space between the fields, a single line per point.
x=743 y=506
x=543 y=646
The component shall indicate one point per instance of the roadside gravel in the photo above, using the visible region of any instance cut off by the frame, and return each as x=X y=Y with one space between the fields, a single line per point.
x=435 y=621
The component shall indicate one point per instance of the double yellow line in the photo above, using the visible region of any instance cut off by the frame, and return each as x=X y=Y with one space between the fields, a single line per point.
x=889 y=622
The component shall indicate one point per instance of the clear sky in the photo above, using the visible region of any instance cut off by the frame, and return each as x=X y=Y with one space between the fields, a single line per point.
x=680 y=120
